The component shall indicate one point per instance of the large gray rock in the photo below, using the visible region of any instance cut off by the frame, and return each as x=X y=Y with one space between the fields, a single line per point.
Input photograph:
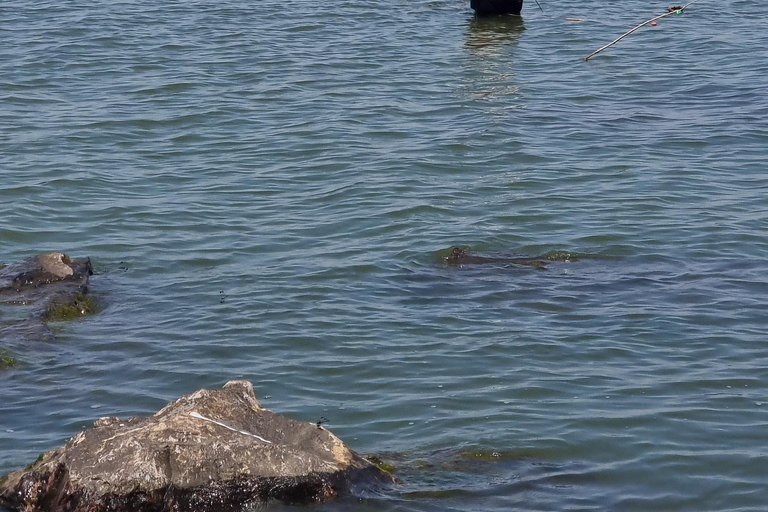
x=208 y=451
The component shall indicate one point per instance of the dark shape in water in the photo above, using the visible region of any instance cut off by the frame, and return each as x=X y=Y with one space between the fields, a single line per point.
x=496 y=7
x=210 y=451
x=459 y=256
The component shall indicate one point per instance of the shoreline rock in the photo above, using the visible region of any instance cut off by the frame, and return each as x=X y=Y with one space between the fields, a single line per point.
x=210 y=451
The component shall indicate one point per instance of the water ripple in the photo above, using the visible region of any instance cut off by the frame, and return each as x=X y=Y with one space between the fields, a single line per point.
x=267 y=191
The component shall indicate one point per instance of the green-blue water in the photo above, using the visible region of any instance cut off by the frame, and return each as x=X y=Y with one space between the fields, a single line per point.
x=267 y=189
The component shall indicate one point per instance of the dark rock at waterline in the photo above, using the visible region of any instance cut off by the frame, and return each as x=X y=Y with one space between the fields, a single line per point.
x=45 y=278
x=496 y=7
x=459 y=256
x=46 y=269
x=213 y=450
x=53 y=284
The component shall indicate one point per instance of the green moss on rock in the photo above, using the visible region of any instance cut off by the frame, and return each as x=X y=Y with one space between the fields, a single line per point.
x=385 y=467
x=81 y=305
x=6 y=359
x=33 y=464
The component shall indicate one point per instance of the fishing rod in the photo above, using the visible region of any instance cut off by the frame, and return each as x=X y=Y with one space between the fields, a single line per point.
x=537 y=3
x=672 y=10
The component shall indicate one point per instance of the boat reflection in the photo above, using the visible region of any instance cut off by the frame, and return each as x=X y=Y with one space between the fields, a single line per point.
x=488 y=36
x=490 y=44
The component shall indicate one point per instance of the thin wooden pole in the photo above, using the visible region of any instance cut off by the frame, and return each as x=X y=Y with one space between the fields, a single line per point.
x=637 y=28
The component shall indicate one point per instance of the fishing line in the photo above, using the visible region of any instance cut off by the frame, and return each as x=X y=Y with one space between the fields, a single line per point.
x=670 y=13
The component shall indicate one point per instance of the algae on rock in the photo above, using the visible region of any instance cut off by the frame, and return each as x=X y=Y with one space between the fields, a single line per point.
x=6 y=359
x=80 y=305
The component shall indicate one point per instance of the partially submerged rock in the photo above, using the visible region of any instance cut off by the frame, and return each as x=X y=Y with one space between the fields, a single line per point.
x=459 y=256
x=42 y=272
x=208 y=451
x=53 y=284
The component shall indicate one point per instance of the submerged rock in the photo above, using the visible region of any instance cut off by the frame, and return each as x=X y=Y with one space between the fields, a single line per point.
x=208 y=451
x=53 y=284
x=6 y=359
x=459 y=256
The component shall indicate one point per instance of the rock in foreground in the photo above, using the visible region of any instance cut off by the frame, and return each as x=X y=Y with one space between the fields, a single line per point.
x=208 y=451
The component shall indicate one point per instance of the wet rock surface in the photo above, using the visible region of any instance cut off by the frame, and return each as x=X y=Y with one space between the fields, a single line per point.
x=53 y=285
x=44 y=276
x=209 y=451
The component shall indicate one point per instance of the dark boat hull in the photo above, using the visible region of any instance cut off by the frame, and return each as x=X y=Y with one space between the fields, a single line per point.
x=496 y=7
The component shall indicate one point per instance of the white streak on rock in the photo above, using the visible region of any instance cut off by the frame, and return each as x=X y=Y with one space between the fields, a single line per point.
x=197 y=415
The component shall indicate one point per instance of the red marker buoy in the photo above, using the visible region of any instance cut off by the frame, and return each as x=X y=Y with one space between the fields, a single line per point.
x=653 y=24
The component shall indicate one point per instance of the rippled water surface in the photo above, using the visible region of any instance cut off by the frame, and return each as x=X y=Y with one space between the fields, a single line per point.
x=268 y=189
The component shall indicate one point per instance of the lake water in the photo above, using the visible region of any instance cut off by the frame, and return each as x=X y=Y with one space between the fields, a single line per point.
x=267 y=191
